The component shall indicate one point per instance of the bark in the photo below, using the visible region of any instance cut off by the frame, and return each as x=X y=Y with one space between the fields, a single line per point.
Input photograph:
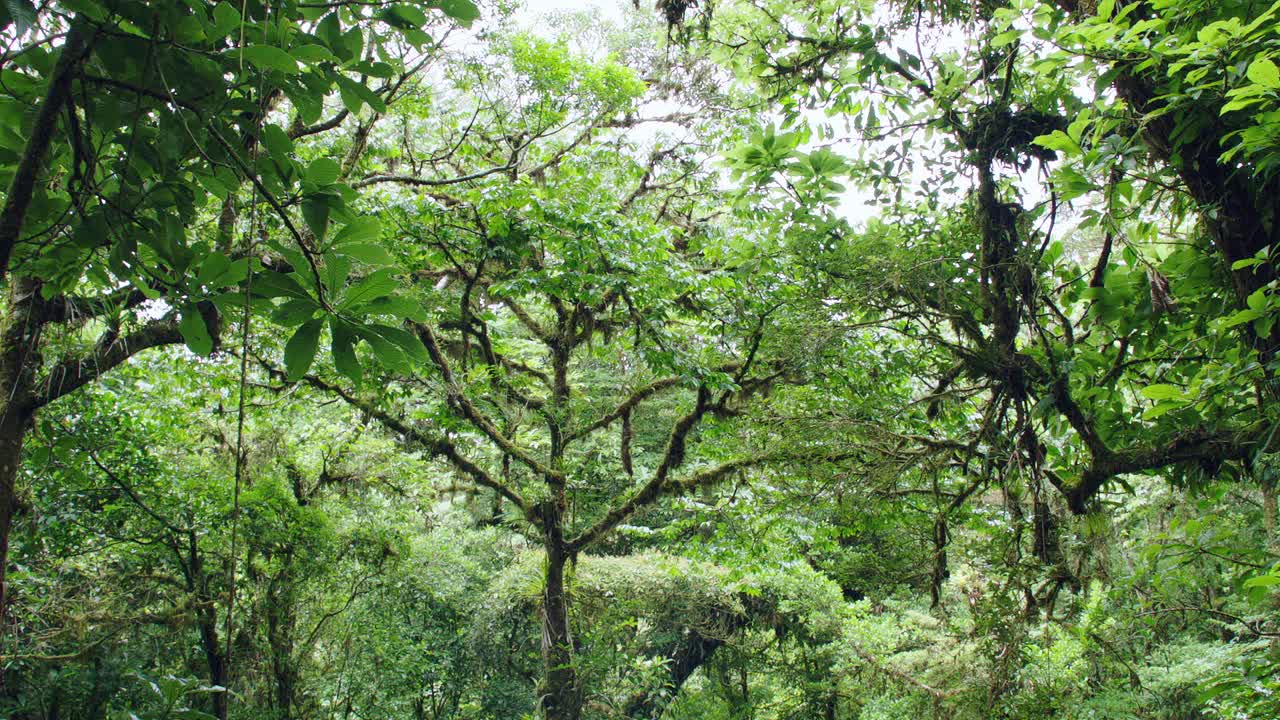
x=216 y=659
x=19 y=345
x=25 y=177
x=941 y=538
x=561 y=694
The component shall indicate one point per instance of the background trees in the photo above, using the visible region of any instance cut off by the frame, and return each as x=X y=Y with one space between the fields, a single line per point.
x=555 y=371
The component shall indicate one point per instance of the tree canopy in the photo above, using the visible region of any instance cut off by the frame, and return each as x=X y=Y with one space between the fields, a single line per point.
x=849 y=359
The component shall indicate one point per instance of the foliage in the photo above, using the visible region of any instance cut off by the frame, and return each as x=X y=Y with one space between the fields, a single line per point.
x=749 y=359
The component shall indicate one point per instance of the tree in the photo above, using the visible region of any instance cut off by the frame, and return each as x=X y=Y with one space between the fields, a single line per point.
x=125 y=199
x=570 y=293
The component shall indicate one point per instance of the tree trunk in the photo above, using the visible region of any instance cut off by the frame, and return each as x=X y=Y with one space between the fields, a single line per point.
x=216 y=656
x=561 y=695
x=13 y=429
x=216 y=659
x=19 y=340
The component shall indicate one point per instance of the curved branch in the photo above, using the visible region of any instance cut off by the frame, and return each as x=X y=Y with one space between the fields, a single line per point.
x=73 y=374
x=435 y=446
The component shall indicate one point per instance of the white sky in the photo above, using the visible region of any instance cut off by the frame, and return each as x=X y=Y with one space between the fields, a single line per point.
x=611 y=8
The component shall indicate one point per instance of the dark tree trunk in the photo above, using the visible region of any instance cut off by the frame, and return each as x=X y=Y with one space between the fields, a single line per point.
x=216 y=659
x=19 y=348
x=13 y=429
x=215 y=653
x=561 y=695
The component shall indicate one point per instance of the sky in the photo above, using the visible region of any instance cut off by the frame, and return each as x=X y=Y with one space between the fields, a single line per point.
x=611 y=8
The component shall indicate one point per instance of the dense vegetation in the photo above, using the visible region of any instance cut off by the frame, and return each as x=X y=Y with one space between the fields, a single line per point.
x=742 y=359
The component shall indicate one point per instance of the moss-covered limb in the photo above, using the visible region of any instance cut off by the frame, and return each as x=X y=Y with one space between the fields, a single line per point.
x=22 y=187
x=19 y=355
x=437 y=446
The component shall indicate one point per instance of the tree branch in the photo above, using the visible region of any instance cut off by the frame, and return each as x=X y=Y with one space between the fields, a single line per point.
x=22 y=186
x=110 y=351
x=435 y=446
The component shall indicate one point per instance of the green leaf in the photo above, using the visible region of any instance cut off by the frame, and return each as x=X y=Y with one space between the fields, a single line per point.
x=405 y=16
x=1257 y=301
x=405 y=340
x=359 y=230
x=344 y=350
x=336 y=269
x=1241 y=317
x=276 y=141
x=323 y=171
x=267 y=57
x=1269 y=580
x=1006 y=38
x=379 y=284
x=1162 y=408
x=371 y=253
x=397 y=306
x=1058 y=140
x=352 y=44
x=300 y=351
x=354 y=93
x=388 y=353
x=464 y=11
x=1163 y=392
x=316 y=212
x=329 y=30
x=225 y=18
x=312 y=54
x=295 y=312
x=213 y=267
x=194 y=330
x=273 y=284
x=23 y=13
x=1264 y=72
x=1053 y=252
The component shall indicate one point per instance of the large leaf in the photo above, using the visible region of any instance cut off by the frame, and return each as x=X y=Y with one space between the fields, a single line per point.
x=344 y=350
x=1265 y=73
x=295 y=312
x=379 y=284
x=354 y=93
x=388 y=354
x=226 y=17
x=267 y=57
x=360 y=229
x=403 y=339
x=397 y=306
x=316 y=212
x=464 y=11
x=323 y=171
x=371 y=253
x=300 y=351
x=274 y=284
x=194 y=330
x=23 y=14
